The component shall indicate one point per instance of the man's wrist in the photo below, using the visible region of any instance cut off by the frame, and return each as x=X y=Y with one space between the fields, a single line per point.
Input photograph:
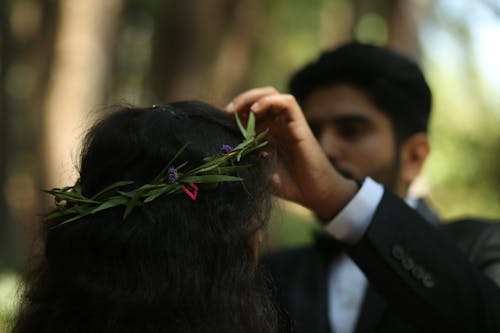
x=342 y=192
x=351 y=223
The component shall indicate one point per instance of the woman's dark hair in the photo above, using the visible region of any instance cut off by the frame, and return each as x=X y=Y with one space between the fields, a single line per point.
x=191 y=269
x=395 y=84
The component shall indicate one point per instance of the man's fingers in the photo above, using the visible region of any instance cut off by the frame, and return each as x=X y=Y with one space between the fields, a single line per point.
x=245 y=100
x=275 y=105
x=280 y=113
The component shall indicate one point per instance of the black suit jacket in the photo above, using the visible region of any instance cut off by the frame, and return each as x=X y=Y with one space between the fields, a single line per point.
x=421 y=278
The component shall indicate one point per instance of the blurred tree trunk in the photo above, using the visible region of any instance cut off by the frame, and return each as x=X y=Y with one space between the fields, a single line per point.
x=405 y=19
x=201 y=48
x=83 y=55
x=5 y=219
x=232 y=63
x=28 y=28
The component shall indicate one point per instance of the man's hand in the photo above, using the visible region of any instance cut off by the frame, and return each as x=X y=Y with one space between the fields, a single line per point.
x=303 y=173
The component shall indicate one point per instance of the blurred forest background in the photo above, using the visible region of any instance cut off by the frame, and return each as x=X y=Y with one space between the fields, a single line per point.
x=62 y=61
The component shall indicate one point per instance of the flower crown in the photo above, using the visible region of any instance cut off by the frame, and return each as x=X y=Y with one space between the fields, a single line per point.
x=72 y=205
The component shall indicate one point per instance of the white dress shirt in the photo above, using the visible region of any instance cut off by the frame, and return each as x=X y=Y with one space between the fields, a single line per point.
x=346 y=287
x=346 y=282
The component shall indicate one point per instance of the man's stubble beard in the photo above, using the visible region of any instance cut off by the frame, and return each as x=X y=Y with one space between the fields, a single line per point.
x=387 y=175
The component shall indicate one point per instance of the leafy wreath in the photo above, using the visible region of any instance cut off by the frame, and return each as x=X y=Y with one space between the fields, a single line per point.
x=224 y=166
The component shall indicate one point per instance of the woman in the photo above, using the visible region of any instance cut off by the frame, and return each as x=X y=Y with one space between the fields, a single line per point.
x=184 y=261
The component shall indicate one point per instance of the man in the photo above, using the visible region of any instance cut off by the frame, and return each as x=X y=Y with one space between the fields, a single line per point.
x=390 y=269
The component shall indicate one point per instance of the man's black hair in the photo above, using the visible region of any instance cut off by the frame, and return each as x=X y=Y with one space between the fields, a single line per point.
x=393 y=82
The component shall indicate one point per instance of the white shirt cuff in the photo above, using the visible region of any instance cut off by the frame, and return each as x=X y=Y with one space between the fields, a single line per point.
x=351 y=223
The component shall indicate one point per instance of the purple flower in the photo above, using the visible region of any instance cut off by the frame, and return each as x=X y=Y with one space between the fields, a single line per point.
x=226 y=149
x=172 y=175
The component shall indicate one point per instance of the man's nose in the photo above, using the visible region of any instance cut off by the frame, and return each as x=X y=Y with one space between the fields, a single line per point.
x=331 y=144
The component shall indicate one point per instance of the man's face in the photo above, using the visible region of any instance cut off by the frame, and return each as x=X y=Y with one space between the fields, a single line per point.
x=357 y=136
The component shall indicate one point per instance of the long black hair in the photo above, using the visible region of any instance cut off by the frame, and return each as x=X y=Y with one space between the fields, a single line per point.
x=191 y=269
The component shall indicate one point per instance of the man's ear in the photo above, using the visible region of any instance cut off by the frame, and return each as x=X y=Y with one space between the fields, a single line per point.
x=414 y=152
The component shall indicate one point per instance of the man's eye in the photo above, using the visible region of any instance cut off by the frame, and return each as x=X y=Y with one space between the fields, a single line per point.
x=352 y=131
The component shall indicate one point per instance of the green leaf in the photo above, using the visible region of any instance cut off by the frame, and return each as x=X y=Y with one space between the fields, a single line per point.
x=260 y=145
x=129 y=195
x=70 y=220
x=212 y=157
x=240 y=155
x=156 y=193
x=242 y=145
x=233 y=168
x=210 y=165
x=207 y=169
x=147 y=187
x=211 y=179
x=250 y=125
x=180 y=166
x=261 y=135
x=109 y=204
x=110 y=188
x=53 y=215
x=134 y=201
x=70 y=197
x=240 y=125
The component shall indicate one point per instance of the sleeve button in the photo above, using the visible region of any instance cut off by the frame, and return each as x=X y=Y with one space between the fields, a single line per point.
x=417 y=272
x=398 y=252
x=408 y=263
x=428 y=281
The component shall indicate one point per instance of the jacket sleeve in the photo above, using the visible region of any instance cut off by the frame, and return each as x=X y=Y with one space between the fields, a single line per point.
x=424 y=275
